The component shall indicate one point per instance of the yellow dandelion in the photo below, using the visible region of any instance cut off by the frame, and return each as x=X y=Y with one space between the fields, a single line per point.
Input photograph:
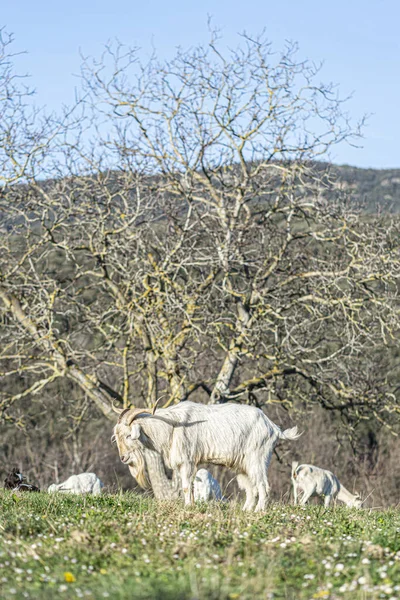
x=69 y=577
x=103 y=571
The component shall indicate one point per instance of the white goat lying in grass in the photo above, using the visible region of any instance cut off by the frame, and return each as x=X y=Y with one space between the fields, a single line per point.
x=314 y=481
x=84 y=483
x=205 y=487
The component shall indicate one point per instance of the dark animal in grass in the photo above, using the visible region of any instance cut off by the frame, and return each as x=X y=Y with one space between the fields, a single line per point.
x=17 y=482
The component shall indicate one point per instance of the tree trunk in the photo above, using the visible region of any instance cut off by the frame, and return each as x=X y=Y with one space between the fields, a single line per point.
x=227 y=371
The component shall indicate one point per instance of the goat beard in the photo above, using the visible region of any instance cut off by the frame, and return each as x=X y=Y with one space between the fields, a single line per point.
x=139 y=470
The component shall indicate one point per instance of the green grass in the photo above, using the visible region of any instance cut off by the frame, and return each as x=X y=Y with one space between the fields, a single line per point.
x=128 y=546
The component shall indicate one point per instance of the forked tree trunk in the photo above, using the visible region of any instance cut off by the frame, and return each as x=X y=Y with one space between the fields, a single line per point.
x=227 y=371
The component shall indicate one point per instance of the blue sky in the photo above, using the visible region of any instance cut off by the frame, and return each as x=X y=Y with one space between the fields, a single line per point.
x=358 y=41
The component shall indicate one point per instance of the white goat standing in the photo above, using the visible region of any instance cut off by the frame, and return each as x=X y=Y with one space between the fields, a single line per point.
x=314 y=481
x=236 y=436
x=84 y=483
x=205 y=487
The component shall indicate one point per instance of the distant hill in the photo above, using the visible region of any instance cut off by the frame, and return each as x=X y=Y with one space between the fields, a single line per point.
x=374 y=188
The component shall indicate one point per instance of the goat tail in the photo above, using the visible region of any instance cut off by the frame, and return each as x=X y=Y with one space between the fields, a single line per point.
x=290 y=434
x=295 y=464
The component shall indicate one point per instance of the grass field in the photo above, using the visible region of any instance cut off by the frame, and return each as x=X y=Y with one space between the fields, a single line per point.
x=128 y=546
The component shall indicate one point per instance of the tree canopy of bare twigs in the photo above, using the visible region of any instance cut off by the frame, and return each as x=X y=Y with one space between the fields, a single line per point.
x=175 y=234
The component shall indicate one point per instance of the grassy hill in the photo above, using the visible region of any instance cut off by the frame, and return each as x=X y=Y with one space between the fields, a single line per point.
x=129 y=546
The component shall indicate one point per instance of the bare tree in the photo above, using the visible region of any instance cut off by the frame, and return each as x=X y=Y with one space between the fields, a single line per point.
x=178 y=236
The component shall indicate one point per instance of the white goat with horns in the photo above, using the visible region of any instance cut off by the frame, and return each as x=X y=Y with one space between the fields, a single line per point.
x=232 y=435
x=314 y=481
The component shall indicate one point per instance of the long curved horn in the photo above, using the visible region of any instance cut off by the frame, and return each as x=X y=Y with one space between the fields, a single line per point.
x=153 y=410
x=136 y=412
x=123 y=413
x=116 y=409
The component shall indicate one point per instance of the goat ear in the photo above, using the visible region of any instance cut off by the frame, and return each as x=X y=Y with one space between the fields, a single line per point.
x=135 y=431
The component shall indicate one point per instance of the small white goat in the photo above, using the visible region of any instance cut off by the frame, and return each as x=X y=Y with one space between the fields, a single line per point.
x=84 y=483
x=205 y=487
x=314 y=481
x=232 y=435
